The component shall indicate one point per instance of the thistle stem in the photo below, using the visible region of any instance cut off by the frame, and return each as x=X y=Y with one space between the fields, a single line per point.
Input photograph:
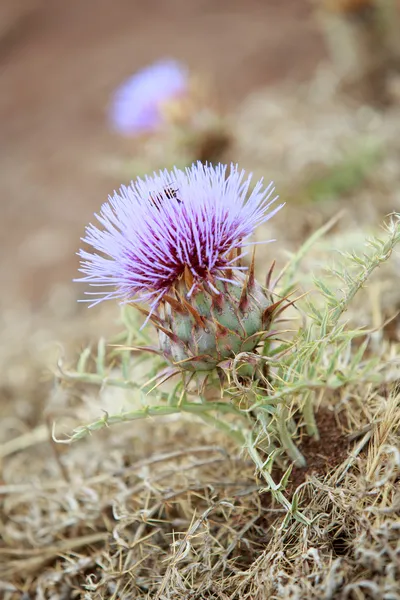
x=160 y=411
x=286 y=439
x=309 y=416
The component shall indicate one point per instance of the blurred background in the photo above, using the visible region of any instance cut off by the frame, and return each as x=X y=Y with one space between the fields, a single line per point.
x=61 y=62
x=302 y=92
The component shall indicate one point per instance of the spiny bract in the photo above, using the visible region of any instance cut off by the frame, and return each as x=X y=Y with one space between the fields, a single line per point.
x=175 y=241
x=199 y=334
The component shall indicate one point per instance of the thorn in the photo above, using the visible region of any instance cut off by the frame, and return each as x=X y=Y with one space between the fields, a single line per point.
x=238 y=254
x=222 y=380
x=268 y=312
x=262 y=335
x=250 y=272
x=200 y=321
x=275 y=305
x=162 y=378
x=151 y=349
x=291 y=303
x=269 y=275
x=248 y=284
x=188 y=278
x=243 y=302
x=172 y=336
x=187 y=379
x=175 y=304
x=217 y=301
x=192 y=358
x=221 y=329
x=146 y=313
x=229 y=257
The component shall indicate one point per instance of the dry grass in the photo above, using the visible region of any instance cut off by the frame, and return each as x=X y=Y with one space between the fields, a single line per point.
x=172 y=510
x=126 y=514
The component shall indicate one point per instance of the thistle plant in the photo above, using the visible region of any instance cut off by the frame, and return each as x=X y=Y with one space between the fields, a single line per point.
x=175 y=241
x=172 y=112
x=171 y=247
x=138 y=105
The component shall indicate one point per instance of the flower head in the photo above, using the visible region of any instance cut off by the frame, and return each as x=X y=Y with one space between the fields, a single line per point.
x=190 y=225
x=138 y=103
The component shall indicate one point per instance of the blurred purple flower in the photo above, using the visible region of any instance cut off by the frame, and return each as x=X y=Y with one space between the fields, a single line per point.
x=137 y=104
x=159 y=225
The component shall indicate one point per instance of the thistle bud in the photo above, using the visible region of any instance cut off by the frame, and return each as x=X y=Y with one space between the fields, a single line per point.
x=199 y=333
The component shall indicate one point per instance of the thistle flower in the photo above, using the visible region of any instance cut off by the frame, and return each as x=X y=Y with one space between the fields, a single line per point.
x=137 y=106
x=175 y=241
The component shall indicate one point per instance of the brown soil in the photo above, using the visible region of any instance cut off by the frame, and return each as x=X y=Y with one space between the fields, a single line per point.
x=322 y=455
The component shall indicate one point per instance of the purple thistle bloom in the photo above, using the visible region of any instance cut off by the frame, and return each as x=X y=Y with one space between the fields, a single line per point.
x=160 y=225
x=137 y=104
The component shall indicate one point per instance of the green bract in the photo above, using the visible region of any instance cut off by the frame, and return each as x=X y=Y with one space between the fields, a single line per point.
x=199 y=332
